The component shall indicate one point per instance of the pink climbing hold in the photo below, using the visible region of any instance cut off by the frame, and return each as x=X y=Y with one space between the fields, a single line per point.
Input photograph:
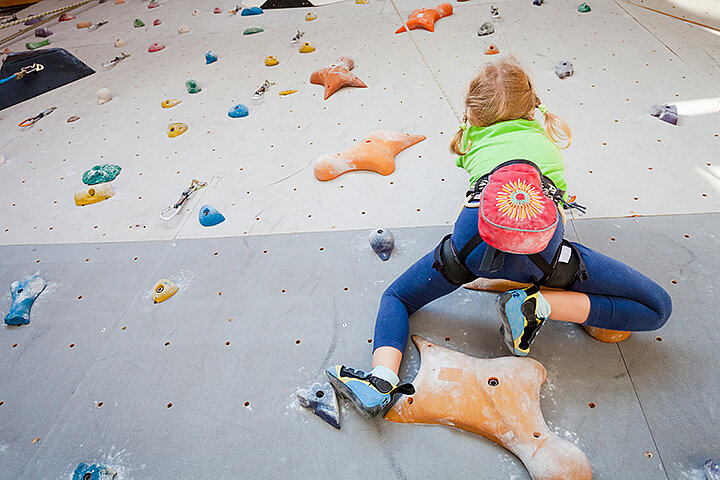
x=157 y=22
x=217 y=10
x=156 y=47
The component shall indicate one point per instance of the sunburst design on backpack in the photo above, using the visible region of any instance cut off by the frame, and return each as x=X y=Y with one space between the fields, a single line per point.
x=519 y=200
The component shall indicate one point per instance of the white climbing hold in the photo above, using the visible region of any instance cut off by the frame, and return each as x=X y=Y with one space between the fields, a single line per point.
x=119 y=42
x=183 y=29
x=104 y=96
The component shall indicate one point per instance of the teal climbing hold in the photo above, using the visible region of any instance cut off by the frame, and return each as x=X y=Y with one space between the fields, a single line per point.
x=192 y=86
x=251 y=30
x=95 y=471
x=209 y=216
x=101 y=174
x=23 y=296
x=584 y=8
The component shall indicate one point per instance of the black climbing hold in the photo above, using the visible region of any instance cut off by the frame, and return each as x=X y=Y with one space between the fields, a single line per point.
x=564 y=68
x=286 y=4
x=61 y=68
x=382 y=242
x=322 y=400
x=486 y=28
x=666 y=113
x=537 y=2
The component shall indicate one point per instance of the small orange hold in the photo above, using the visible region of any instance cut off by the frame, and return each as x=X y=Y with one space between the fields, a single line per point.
x=426 y=18
x=492 y=50
x=337 y=76
x=119 y=2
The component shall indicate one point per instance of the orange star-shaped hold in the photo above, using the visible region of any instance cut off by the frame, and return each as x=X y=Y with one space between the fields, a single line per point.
x=376 y=153
x=337 y=76
x=498 y=398
x=426 y=18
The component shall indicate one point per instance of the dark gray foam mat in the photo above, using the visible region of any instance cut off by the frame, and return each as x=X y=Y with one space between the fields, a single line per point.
x=263 y=295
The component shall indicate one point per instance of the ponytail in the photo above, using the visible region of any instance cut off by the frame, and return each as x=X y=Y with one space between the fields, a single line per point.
x=556 y=128
x=457 y=140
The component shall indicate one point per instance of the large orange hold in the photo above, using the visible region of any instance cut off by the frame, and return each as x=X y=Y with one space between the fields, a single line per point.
x=376 y=153
x=426 y=18
x=337 y=76
x=606 y=335
x=497 y=398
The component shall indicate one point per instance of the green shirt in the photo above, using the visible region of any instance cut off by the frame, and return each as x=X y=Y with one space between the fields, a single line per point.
x=510 y=140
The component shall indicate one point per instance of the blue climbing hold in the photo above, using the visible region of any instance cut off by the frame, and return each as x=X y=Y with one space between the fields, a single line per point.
x=95 y=471
x=251 y=11
x=322 y=400
x=712 y=470
x=537 y=3
x=209 y=216
x=210 y=57
x=382 y=242
x=238 y=111
x=24 y=294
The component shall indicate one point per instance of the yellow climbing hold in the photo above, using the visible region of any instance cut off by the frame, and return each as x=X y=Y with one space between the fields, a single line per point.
x=287 y=92
x=171 y=102
x=163 y=290
x=362 y=2
x=309 y=17
x=175 y=129
x=94 y=194
x=306 y=48
x=271 y=61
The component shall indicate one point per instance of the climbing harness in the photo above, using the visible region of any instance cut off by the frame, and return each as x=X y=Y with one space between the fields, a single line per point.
x=29 y=122
x=35 y=67
x=566 y=266
x=297 y=37
x=263 y=88
x=173 y=210
x=98 y=25
x=115 y=61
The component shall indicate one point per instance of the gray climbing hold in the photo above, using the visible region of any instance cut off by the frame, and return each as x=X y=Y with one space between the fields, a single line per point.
x=95 y=471
x=712 y=470
x=23 y=296
x=486 y=28
x=382 y=242
x=666 y=113
x=564 y=68
x=322 y=400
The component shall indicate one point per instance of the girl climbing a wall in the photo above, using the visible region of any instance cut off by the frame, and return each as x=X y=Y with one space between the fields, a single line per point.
x=510 y=228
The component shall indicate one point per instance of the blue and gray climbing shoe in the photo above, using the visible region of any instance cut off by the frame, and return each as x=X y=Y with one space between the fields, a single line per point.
x=369 y=394
x=520 y=317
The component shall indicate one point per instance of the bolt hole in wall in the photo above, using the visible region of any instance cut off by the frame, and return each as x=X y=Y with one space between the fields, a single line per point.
x=591 y=405
x=493 y=382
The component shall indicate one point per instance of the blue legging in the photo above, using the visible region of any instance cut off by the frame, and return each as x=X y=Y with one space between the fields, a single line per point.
x=621 y=298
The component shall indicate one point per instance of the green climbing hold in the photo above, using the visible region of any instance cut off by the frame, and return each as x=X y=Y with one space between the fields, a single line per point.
x=251 y=30
x=192 y=86
x=34 y=45
x=101 y=174
x=584 y=8
x=138 y=23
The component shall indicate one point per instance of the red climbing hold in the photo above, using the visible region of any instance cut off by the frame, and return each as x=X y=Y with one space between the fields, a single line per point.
x=156 y=47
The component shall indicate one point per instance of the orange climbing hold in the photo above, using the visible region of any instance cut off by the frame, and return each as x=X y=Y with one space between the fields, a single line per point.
x=605 y=335
x=83 y=24
x=94 y=194
x=497 y=398
x=376 y=153
x=337 y=76
x=426 y=18
x=492 y=50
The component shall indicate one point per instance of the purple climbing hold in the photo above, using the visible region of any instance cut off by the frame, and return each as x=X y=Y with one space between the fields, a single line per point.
x=382 y=242
x=322 y=400
x=666 y=113
x=42 y=32
x=33 y=21
x=24 y=294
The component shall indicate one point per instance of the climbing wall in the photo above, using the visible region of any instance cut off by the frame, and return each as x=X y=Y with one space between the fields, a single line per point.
x=287 y=284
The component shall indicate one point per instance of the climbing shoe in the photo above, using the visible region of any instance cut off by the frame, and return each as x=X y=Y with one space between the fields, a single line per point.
x=521 y=320
x=369 y=394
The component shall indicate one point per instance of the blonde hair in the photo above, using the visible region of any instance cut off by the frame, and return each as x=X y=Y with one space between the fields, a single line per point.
x=503 y=91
